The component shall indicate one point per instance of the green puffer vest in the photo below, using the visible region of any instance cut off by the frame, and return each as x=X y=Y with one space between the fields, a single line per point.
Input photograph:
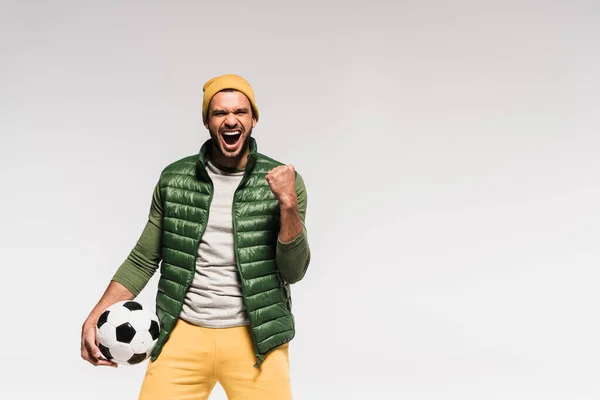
x=187 y=192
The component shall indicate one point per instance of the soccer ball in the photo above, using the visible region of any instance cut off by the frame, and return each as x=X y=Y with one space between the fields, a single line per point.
x=127 y=332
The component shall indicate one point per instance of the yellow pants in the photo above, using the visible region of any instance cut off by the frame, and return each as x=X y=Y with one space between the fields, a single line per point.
x=194 y=359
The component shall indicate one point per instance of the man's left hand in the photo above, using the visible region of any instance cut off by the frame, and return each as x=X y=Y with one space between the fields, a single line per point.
x=282 y=182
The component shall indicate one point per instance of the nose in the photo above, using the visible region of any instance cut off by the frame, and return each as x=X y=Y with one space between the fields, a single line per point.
x=230 y=121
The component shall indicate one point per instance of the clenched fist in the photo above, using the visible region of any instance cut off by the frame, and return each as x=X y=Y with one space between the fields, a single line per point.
x=282 y=181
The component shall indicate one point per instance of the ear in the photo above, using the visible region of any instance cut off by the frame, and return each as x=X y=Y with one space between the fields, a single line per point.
x=254 y=121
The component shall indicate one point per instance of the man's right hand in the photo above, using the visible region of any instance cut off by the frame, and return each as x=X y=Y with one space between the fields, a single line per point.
x=89 y=342
x=89 y=345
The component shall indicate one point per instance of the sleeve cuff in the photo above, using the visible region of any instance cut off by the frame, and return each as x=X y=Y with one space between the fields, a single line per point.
x=127 y=283
x=295 y=242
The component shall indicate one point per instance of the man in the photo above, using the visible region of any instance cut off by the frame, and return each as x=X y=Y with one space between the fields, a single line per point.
x=228 y=226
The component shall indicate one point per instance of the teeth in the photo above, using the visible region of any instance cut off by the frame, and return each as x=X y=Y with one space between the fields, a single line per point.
x=231 y=133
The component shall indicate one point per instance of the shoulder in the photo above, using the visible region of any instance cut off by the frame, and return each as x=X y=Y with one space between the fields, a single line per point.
x=266 y=161
x=183 y=166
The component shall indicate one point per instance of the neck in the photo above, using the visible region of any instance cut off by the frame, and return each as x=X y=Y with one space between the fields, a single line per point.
x=225 y=163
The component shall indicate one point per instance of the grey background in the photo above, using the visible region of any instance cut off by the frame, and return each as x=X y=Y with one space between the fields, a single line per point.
x=450 y=151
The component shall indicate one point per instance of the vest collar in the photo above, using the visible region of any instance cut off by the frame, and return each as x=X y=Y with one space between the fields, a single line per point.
x=203 y=158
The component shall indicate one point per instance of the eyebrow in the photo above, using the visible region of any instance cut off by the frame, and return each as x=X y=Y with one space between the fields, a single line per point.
x=218 y=110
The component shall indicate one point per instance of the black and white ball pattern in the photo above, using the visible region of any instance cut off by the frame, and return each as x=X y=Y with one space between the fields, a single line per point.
x=127 y=332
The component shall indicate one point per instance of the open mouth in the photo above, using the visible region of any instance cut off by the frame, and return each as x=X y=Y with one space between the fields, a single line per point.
x=232 y=137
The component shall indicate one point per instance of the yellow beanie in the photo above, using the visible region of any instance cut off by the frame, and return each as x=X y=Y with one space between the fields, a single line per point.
x=228 y=81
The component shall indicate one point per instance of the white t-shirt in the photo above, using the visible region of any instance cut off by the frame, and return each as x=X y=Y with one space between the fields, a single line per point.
x=214 y=299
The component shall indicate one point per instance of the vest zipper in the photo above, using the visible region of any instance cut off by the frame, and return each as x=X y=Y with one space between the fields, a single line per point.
x=259 y=357
x=197 y=245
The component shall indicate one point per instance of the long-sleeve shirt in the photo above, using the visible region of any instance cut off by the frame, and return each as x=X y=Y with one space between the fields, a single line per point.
x=214 y=298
